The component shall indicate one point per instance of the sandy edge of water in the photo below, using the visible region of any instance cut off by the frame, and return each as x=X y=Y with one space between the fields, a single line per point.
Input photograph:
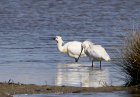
x=6 y=89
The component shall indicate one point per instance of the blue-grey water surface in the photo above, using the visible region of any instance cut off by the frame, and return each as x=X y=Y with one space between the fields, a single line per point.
x=29 y=55
x=99 y=94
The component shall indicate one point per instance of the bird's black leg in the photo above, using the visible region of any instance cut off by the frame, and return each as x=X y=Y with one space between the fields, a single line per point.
x=92 y=64
x=100 y=64
x=76 y=60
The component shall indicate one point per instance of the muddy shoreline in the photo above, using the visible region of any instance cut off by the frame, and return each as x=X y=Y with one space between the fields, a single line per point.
x=7 y=90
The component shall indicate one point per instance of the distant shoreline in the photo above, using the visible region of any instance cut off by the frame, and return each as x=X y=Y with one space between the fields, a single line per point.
x=6 y=89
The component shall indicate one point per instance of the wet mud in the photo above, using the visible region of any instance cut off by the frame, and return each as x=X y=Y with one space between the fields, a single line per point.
x=9 y=89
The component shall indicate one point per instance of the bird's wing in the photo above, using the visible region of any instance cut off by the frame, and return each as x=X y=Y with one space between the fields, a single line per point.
x=99 y=52
x=74 y=49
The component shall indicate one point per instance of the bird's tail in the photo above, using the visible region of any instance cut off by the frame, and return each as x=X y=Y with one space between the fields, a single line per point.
x=108 y=58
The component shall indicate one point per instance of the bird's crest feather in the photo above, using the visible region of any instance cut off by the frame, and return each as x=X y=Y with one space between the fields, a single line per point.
x=88 y=42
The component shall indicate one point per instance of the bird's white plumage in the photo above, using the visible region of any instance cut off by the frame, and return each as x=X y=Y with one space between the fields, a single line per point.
x=73 y=48
x=95 y=52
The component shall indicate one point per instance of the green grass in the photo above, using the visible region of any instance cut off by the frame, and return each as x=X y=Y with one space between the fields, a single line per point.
x=77 y=91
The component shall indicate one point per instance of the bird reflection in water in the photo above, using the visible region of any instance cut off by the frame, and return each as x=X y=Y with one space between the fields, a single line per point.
x=81 y=74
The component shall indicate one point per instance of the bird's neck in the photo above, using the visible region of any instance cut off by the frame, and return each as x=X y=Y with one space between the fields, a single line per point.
x=61 y=48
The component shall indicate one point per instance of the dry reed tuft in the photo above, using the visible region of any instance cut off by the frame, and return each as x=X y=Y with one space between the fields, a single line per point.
x=129 y=57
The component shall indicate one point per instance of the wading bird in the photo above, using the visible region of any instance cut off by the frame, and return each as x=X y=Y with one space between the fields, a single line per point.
x=95 y=52
x=73 y=49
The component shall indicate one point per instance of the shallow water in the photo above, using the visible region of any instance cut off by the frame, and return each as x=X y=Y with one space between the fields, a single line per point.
x=82 y=74
x=100 y=94
x=29 y=55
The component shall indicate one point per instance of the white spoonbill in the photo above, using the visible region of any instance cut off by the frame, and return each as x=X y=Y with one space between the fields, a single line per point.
x=95 y=52
x=73 y=48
